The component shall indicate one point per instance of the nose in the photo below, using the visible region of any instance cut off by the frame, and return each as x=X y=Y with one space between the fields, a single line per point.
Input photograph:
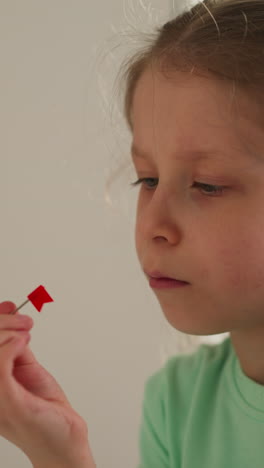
x=158 y=220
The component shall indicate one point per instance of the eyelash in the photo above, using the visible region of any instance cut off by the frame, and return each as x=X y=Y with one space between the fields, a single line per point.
x=219 y=188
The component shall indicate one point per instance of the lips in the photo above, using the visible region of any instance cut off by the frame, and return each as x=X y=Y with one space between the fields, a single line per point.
x=160 y=275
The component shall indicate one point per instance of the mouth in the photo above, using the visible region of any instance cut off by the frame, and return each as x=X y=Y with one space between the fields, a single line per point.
x=162 y=276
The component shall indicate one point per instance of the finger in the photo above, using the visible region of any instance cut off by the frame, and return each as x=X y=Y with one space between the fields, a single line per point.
x=27 y=357
x=7 y=335
x=7 y=307
x=9 y=389
x=9 y=351
x=18 y=322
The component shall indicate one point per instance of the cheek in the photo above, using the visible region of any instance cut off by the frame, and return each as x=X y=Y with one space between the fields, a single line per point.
x=139 y=226
x=242 y=263
x=140 y=241
x=137 y=238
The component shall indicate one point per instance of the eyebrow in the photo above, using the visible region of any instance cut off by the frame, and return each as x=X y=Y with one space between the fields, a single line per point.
x=136 y=153
x=198 y=155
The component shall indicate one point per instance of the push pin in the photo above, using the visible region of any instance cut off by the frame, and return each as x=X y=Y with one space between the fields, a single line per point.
x=38 y=298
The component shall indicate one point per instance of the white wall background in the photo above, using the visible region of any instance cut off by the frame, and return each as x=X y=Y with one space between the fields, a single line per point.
x=101 y=336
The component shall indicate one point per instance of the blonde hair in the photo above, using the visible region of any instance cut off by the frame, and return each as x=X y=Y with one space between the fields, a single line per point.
x=222 y=38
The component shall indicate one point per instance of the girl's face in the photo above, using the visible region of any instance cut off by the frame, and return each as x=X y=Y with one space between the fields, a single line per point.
x=192 y=132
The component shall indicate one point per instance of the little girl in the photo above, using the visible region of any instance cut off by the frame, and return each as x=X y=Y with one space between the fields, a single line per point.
x=193 y=104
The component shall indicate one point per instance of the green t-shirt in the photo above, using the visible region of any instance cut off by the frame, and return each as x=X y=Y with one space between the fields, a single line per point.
x=201 y=411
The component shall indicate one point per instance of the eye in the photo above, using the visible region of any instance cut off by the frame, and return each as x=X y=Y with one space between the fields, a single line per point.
x=212 y=189
x=140 y=181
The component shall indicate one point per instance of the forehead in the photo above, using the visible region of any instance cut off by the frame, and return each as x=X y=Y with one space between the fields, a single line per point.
x=194 y=115
x=191 y=155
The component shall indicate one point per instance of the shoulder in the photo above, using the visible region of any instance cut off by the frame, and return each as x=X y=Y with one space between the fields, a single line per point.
x=180 y=372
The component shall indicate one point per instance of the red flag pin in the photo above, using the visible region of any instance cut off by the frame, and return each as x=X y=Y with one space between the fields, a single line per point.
x=38 y=298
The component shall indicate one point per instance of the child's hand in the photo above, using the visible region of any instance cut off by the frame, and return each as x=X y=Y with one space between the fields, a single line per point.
x=35 y=414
